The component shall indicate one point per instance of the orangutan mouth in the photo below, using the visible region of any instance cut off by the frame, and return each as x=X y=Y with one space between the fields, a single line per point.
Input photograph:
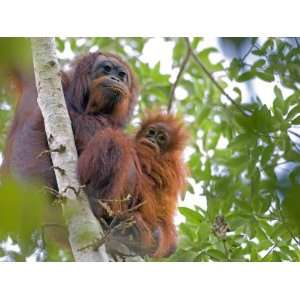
x=151 y=144
x=115 y=89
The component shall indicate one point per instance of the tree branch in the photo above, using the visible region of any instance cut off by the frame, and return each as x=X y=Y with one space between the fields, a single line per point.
x=248 y=52
x=174 y=86
x=294 y=133
x=270 y=251
x=201 y=65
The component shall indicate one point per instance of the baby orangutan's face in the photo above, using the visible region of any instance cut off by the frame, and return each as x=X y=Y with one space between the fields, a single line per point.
x=156 y=136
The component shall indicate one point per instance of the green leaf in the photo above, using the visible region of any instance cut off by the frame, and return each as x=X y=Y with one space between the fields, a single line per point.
x=238 y=91
x=259 y=63
x=204 y=57
x=241 y=141
x=60 y=44
x=179 y=50
x=279 y=105
x=258 y=52
x=246 y=76
x=188 y=231
x=195 y=165
x=294 y=176
x=234 y=68
x=203 y=231
x=191 y=215
x=278 y=92
x=265 y=76
x=293 y=112
x=292 y=53
x=216 y=254
x=204 y=112
x=268 y=44
x=21 y=208
x=73 y=44
x=296 y=121
x=294 y=98
x=195 y=42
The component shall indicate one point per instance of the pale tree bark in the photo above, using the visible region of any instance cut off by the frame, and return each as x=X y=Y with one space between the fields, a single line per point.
x=83 y=227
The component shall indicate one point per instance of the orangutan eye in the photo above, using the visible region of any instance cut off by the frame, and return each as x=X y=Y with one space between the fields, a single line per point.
x=151 y=132
x=107 y=68
x=161 y=138
x=122 y=74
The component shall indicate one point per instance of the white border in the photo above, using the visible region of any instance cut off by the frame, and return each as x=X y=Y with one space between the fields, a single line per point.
x=151 y=281
x=149 y=18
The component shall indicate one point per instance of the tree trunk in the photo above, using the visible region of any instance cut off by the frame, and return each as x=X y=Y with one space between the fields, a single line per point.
x=83 y=227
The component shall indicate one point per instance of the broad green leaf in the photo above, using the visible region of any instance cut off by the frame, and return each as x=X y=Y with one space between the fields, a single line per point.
x=203 y=231
x=245 y=76
x=191 y=215
x=216 y=255
x=265 y=76
x=259 y=63
x=234 y=68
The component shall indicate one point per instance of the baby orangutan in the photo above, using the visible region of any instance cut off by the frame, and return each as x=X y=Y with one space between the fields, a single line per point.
x=149 y=169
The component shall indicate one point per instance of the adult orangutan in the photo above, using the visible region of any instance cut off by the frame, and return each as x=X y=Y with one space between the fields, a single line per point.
x=147 y=169
x=100 y=92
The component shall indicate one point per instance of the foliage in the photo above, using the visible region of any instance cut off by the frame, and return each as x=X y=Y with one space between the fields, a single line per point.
x=21 y=208
x=244 y=152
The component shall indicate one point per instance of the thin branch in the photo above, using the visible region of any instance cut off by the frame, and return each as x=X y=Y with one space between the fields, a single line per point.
x=201 y=65
x=111 y=228
x=295 y=145
x=226 y=250
x=292 y=234
x=294 y=133
x=292 y=142
x=174 y=86
x=256 y=47
x=248 y=52
x=270 y=250
x=125 y=219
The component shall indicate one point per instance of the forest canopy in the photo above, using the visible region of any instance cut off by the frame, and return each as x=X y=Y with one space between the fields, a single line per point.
x=239 y=98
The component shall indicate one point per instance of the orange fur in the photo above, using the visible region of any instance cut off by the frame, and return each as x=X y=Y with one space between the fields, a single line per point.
x=154 y=180
x=164 y=176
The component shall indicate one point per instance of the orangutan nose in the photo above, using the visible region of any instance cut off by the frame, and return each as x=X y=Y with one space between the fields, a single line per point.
x=114 y=78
